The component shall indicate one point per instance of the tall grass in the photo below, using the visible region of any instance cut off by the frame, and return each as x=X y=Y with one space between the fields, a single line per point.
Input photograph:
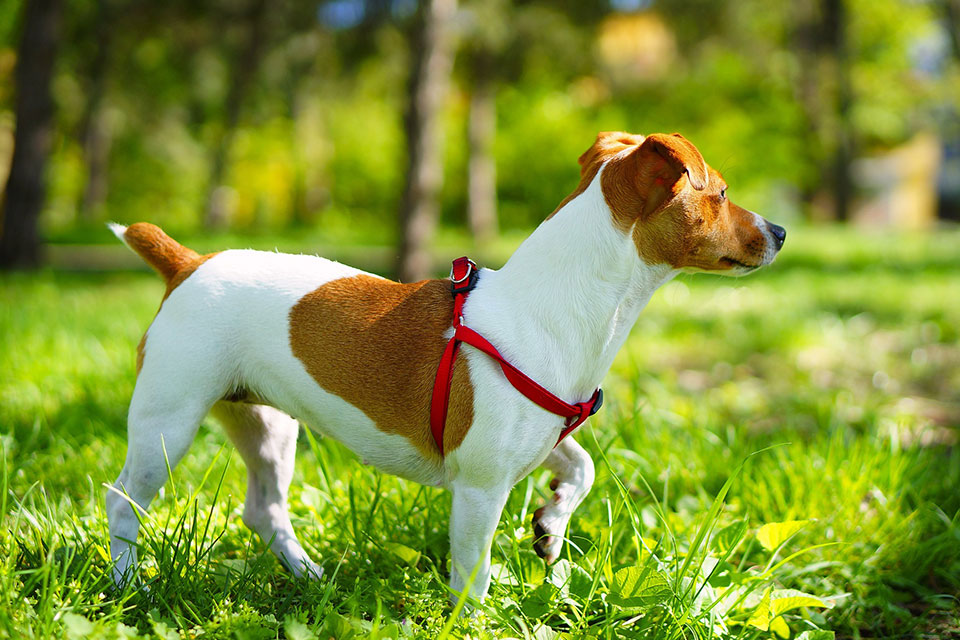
x=777 y=455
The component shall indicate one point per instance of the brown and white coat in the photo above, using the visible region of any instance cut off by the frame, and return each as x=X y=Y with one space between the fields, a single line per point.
x=258 y=337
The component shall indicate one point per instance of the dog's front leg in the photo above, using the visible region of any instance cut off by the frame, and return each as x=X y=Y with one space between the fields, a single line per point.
x=473 y=522
x=573 y=478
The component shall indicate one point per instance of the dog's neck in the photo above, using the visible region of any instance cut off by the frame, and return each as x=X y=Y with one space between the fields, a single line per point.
x=564 y=303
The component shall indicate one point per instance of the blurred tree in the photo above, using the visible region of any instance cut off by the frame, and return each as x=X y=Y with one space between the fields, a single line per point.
x=94 y=131
x=534 y=45
x=300 y=53
x=26 y=184
x=486 y=39
x=243 y=71
x=481 y=134
x=824 y=90
x=177 y=104
x=951 y=17
x=835 y=26
x=433 y=46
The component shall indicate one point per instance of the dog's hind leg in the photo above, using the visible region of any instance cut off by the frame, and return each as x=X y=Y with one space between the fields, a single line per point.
x=571 y=483
x=165 y=412
x=267 y=441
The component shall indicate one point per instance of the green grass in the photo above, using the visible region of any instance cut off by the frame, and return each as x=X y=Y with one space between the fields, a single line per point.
x=840 y=365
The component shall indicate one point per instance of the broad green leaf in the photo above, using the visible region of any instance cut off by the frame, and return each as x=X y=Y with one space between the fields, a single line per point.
x=763 y=613
x=402 y=551
x=336 y=626
x=788 y=599
x=500 y=574
x=816 y=634
x=389 y=632
x=580 y=581
x=779 y=627
x=163 y=631
x=721 y=580
x=538 y=601
x=532 y=567
x=772 y=535
x=560 y=574
x=296 y=630
x=76 y=626
x=543 y=632
x=228 y=566
x=570 y=579
x=639 y=587
x=124 y=631
x=729 y=537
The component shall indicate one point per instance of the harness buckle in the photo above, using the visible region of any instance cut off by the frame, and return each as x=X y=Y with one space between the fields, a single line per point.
x=463 y=275
x=598 y=402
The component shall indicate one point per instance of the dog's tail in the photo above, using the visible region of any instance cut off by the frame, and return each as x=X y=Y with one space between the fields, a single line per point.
x=167 y=256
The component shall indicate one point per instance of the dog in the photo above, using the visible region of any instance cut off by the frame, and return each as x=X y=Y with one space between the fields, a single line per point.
x=257 y=338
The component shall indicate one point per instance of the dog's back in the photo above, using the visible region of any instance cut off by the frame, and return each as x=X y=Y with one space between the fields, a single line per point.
x=317 y=339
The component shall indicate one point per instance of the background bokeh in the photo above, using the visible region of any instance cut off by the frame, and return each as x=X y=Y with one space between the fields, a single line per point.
x=819 y=396
x=255 y=116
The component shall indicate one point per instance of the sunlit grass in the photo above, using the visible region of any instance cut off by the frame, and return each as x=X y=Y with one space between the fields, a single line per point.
x=841 y=363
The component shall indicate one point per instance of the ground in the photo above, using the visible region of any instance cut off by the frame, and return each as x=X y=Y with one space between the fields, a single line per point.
x=833 y=377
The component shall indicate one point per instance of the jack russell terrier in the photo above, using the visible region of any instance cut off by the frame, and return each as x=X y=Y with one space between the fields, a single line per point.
x=257 y=337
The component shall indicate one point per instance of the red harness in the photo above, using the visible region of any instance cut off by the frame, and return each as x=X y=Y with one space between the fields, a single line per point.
x=464 y=276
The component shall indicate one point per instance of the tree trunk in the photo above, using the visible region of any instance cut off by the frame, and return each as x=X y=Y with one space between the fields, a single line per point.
x=808 y=88
x=482 y=167
x=300 y=213
x=94 y=131
x=241 y=76
x=835 y=27
x=429 y=82
x=26 y=185
x=951 y=16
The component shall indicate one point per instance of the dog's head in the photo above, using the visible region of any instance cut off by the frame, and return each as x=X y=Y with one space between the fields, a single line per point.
x=660 y=190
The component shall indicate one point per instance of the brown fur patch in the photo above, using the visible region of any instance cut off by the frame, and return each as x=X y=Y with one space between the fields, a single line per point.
x=168 y=257
x=377 y=344
x=662 y=189
x=607 y=145
x=140 y=347
x=159 y=250
x=700 y=230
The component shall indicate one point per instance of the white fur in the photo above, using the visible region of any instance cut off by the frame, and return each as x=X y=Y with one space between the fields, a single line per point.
x=560 y=309
x=118 y=230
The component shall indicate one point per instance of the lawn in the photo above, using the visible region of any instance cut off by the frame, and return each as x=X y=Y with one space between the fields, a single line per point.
x=822 y=394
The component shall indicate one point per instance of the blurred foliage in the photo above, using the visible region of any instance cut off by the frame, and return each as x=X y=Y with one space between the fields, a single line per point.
x=320 y=137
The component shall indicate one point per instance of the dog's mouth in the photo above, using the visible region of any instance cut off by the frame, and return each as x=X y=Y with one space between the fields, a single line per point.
x=730 y=262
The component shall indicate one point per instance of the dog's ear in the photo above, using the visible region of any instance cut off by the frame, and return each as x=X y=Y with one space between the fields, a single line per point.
x=607 y=143
x=661 y=161
x=681 y=155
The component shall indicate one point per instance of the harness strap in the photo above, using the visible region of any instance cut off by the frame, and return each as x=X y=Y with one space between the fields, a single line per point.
x=464 y=277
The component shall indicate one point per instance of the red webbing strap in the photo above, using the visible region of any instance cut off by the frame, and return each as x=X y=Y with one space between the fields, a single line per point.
x=463 y=276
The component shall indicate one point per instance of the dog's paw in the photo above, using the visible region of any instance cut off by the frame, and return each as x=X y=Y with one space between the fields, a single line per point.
x=303 y=567
x=309 y=569
x=547 y=535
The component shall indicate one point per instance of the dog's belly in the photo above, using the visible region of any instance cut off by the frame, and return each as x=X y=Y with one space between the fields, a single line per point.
x=330 y=415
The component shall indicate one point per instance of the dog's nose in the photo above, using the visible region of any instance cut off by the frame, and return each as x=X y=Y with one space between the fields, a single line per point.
x=779 y=234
